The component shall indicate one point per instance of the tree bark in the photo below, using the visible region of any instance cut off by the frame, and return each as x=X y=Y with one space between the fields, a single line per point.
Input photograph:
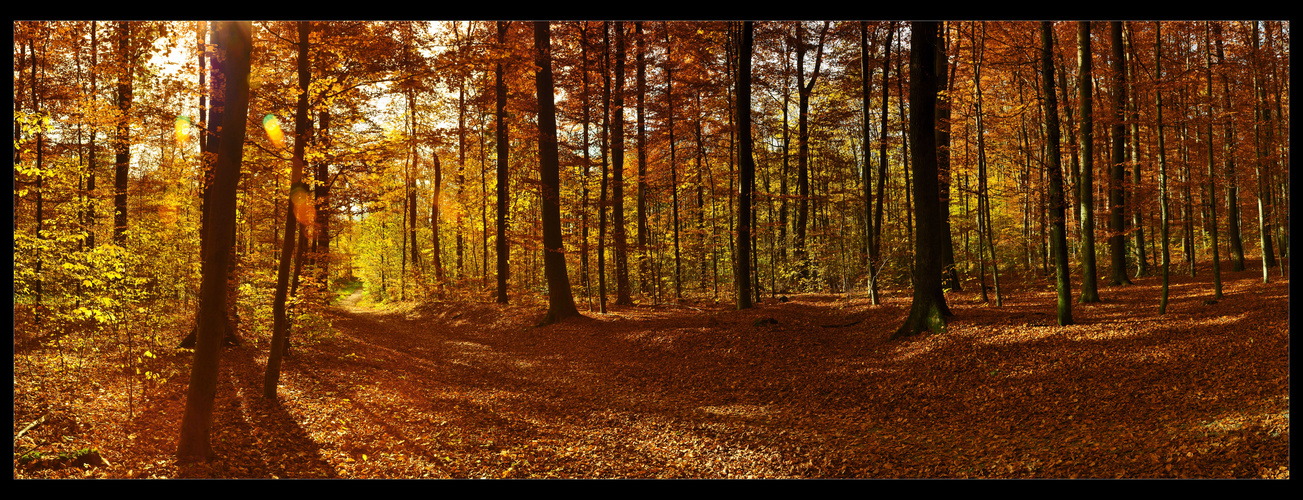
x=747 y=173
x=194 y=441
x=1058 y=227
x=1089 y=287
x=561 y=304
x=622 y=296
x=122 y=145
x=928 y=309
x=1162 y=164
x=280 y=323
x=500 y=246
x=1212 y=180
x=1118 y=136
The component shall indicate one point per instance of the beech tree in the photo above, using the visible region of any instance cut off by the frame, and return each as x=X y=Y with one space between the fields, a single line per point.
x=1058 y=229
x=928 y=310
x=234 y=40
x=561 y=304
x=1085 y=87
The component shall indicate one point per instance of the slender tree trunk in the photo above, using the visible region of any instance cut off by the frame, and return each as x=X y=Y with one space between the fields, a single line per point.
x=643 y=263
x=1228 y=160
x=500 y=88
x=606 y=141
x=674 y=176
x=875 y=252
x=1212 y=180
x=984 y=192
x=1089 y=290
x=1162 y=163
x=126 y=62
x=561 y=304
x=280 y=330
x=194 y=443
x=1058 y=228
x=622 y=296
x=866 y=182
x=1261 y=165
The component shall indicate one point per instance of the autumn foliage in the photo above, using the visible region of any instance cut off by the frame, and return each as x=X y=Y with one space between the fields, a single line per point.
x=407 y=208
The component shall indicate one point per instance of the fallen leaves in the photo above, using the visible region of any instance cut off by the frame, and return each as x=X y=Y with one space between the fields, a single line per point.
x=473 y=390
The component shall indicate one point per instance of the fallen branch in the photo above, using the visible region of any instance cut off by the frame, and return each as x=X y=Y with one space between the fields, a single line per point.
x=29 y=427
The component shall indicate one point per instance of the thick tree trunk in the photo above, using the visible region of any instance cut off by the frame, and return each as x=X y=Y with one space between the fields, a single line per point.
x=194 y=441
x=561 y=304
x=747 y=174
x=1118 y=164
x=929 y=308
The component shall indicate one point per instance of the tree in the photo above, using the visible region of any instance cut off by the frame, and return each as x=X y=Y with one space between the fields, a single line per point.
x=1162 y=161
x=804 y=89
x=617 y=176
x=1058 y=229
x=944 y=87
x=1089 y=289
x=928 y=309
x=1228 y=159
x=875 y=249
x=296 y=206
x=747 y=175
x=1212 y=180
x=122 y=144
x=500 y=88
x=561 y=304
x=1118 y=134
x=234 y=38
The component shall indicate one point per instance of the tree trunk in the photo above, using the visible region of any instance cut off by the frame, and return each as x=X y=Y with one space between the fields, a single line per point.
x=747 y=173
x=617 y=176
x=280 y=330
x=643 y=262
x=674 y=175
x=950 y=279
x=1228 y=160
x=875 y=251
x=194 y=441
x=561 y=304
x=122 y=145
x=1212 y=181
x=500 y=246
x=929 y=308
x=1089 y=288
x=1058 y=227
x=1118 y=135
x=1162 y=164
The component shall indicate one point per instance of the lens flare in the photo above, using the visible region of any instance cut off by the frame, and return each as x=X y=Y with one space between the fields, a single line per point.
x=273 y=128
x=305 y=210
x=182 y=129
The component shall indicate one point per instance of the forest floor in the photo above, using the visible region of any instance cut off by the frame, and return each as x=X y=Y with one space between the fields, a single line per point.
x=808 y=388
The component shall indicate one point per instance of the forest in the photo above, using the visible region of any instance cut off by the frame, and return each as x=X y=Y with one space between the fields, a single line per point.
x=651 y=249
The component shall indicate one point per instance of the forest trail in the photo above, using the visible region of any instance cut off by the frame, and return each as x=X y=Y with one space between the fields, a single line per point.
x=806 y=388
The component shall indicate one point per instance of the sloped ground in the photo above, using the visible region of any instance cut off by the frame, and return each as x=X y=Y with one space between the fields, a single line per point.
x=806 y=388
